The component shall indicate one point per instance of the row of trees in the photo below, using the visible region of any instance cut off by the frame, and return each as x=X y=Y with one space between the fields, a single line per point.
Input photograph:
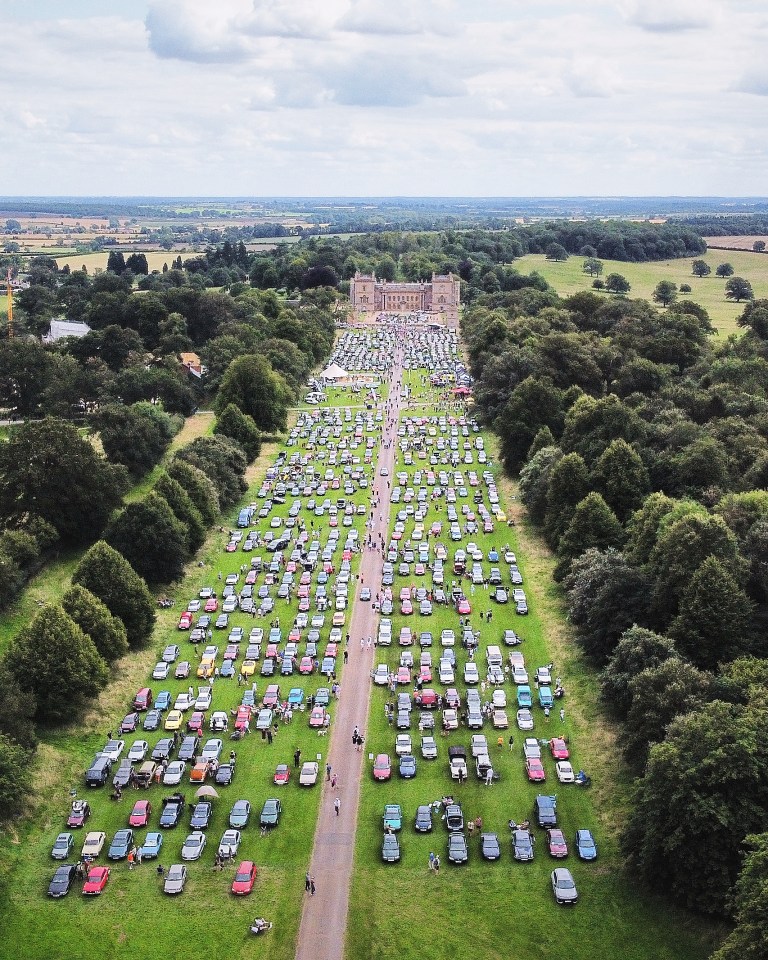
x=642 y=451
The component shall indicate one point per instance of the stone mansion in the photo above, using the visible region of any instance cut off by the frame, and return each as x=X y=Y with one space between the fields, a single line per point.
x=440 y=296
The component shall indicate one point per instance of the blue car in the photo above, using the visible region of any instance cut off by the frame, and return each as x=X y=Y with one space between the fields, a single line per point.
x=152 y=846
x=393 y=816
x=121 y=844
x=524 y=696
x=407 y=767
x=322 y=697
x=162 y=700
x=249 y=699
x=586 y=848
x=295 y=696
x=545 y=697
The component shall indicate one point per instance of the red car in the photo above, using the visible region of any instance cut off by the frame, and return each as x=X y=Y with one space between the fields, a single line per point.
x=79 y=813
x=140 y=814
x=196 y=722
x=96 y=881
x=185 y=621
x=129 y=723
x=317 y=717
x=282 y=774
x=556 y=843
x=427 y=699
x=425 y=674
x=211 y=605
x=382 y=767
x=559 y=748
x=535 y=770
x=243 y=716
x=452 y=698
x=244 y=878
x=331 y=650
x=272 y=695
x=464 y=607
x=406 y=608
x=405 y=593
x=403 y=675
x=306 y=665
x=304 y=605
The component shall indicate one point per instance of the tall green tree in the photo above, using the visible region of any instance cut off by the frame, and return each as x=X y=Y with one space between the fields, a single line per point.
x=48 y=469
x=724 y=270
x=15 y=777
x=701 y=268
x=54 y=660
x=222 y=461
x=183 y=509
x=568 y=485
x=151 y=538
x=238 y=426
x=638 y=649
x=198 y=487
x=19 y=708
x=131 y=436
x=109 y=576
x=714 y=618
x=738 y=289
x=534 y=481
x=621 y=477
x=665 y=292
x=749 y=905
x=253 y=386
x=94 y=619
x=594 y=524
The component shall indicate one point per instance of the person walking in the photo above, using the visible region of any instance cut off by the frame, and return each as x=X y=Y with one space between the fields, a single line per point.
x=337 y=805
x=312 y=886
x=431 y=861
x=327 y=771
x=307 y=882
x=333 y=782
x=546 y=714
x=297 y=757
x=437 y=864
x=562 y=714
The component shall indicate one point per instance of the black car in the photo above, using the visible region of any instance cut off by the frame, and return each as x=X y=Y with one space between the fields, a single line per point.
x=423 y=823
x=545 y=810
x=153 y=720
x=163 y=749
x=201 y=815
x=123 y=776
x=489 y=846
x=390 y=848
x=62 y=880
x=224 y=774
x=457 y=848
x=188 y=747
x=268 y=667
x=173 y=808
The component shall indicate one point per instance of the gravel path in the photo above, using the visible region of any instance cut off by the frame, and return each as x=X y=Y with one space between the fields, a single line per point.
x=322 y=932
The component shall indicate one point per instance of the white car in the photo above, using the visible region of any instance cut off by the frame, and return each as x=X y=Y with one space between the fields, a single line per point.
x=212 y=749
x=174 y=773
x=524 y=719
x=519 y=674
x=544 y=676
x=499 y=700
x=428 y=748
x=308 y=775
x=531 y=749
x=113 y=749
x=182 y=702
x=219 y=721
x=564 y=771
x=500 y=719
x=479 y=745
x=447 y=638
x=403 y=746
x=203 y=699
x=193 y=846
x=471 y=673
x=445 y=672
x=381 y=675
x=450 y=720
x=161 y=670
x=94 y=841
x=230 y=843
x=138 y=751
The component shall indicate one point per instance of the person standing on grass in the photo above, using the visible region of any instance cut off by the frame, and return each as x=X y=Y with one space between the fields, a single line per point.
x=562 y=714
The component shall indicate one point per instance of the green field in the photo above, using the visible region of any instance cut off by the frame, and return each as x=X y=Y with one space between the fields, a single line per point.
x=568 y=277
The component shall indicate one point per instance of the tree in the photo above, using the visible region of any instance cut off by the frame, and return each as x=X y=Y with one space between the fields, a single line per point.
x=749 y=939
x=594 y=524
x=534 y=403
x=556 y=251
x=755 y=316
x=638 y=649
x=95 y=620
x=682 y=546
x=688 y=795
x=38 y=304
x=253 y=386
x=151 y=538
x=568 y=485
x=222 y=461
x=137 y=263
x=738 y=289
x=116 y=262
x=685 y=288
x=606 y=596
x=593 y=266
x=598 y=284
x=714 y=617
x=759 y=246
x=724 y=270
x=238 y=426
x=620 y=476
x=615 y=283
x=109 y=576
x=701 y=268
x=198 y=487
x=657 y=695
x=15 y=778
x=183 y=509
x=54 y=660
x=534 y=481
x=19 y=706
x=665 y=292
x=132 y=436
x=48 y=469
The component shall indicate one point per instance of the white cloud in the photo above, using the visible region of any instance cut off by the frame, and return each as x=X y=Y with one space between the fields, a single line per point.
x=672 y=16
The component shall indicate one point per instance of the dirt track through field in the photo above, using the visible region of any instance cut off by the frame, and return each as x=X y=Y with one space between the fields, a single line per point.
x=322 y=932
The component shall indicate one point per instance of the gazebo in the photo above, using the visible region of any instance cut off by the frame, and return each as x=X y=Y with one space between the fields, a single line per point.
x=334 y=372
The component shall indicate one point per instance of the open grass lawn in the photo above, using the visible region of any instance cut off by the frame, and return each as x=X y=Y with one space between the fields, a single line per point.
x=504 y=909
x=133 y=917
x=568 y=277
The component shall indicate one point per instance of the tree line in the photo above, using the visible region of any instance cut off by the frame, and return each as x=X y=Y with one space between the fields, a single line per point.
x=642 y=454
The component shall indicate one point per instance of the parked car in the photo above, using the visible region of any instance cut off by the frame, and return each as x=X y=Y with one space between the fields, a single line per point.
x=564 y=887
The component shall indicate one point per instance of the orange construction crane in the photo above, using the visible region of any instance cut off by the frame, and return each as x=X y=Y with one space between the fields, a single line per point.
x=9 y=291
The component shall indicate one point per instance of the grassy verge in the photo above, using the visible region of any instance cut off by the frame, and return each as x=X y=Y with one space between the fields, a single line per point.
x=568 y=277
x=506 y=909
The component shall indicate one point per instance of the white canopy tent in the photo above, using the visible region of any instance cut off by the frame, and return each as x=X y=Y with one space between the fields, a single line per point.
x=334 y=372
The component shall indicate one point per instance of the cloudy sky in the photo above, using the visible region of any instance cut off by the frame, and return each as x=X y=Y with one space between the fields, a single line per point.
x=384 y=97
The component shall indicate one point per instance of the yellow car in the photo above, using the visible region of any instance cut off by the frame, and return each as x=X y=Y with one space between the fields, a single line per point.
x=501 y=516
x=205 y=670
x=174 y=720
x=248 y=668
